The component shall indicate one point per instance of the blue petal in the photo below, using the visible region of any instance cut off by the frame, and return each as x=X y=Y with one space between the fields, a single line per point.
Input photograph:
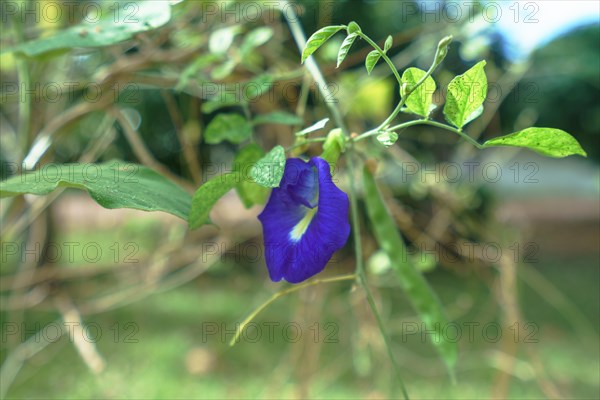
x=296 y=255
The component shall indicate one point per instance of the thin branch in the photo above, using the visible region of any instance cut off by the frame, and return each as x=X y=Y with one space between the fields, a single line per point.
x=282 y=293
x=189 y=150
x=313 y=68
x=74 y=325
x=140 y=149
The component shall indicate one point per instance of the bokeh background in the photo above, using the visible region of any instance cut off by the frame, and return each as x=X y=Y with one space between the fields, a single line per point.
x=153 y=311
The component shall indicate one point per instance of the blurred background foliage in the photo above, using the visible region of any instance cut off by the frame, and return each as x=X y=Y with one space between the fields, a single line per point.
x=161 y=88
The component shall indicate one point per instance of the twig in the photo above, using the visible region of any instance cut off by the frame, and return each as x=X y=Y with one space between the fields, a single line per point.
x=282 y=293
x=313 y=68
x=15 y=359
x=140 y=149
x=189 y=151
x=74 y=325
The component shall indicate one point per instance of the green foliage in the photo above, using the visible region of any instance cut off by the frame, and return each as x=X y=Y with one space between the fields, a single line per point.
x=387 y=138
x=207 y=195
x=221 y=39
x=318 y=38
x=388 y=43
x=411 y=280
x=119 y=185
x=278 y=117
x=314 y=127
x=268 y=171
x=249 y=191
x=419 y=101
x=231 y=127
x=113 y=184
x=442 y=49
x=333 y=146
x=546 y=141
x=345 y=47
x=353 y=28
x=116 y=26
x=371 y=60
x=465 y=96
x=258 y=86
x=256 y=37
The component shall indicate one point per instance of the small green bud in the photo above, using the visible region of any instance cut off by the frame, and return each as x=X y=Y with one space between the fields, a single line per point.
x=387 y=138
x=333 y=146
x=442 y=49
x=388 y=44
x=353 y=28
x=404 y=89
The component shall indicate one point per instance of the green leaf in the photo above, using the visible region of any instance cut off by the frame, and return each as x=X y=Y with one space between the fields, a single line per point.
x=231 y=127
x=465 y=95
x=278 y=117
x=222 y=71
x=371 y=60
x=207 y=195
x=220 y=40
x=318 y=38
x=113 y=184
x=314 y=127
x=419 y=101
x=387 y=138
x=257 y=87
x=475 y=114
x=249 y=191
x=116 y=26
x=268 y=171
x=388 y=44
x=256 y=37
x=353 y=28
x=194 y=69
x=549 y=142
x=217 y=103
x=345 y=47
x=422 y=297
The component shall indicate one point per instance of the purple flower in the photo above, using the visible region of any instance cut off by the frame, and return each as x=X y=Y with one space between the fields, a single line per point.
x=304 y=222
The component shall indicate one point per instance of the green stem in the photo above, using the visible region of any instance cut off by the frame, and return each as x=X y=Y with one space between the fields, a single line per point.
x=360 y=269
x=423 y=122
x=440 y=54
x=382 y=54
x=25 y=82
x=282 y=293
x=386 y=339
x=314 y=70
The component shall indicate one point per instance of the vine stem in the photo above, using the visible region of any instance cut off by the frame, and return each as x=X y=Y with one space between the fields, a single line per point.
x=440 y=54
x=313 y=68
x=382 y=54
x=25 y=80
x=423 y=122
x=282 y=293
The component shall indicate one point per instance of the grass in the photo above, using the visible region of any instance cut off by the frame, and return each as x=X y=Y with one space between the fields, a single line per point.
x=174 y=344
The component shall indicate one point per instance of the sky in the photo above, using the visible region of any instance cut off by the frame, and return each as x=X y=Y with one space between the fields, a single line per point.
x=526 y=24
x=530 y=24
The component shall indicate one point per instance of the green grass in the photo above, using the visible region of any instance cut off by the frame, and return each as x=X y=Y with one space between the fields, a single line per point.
x=169 y=353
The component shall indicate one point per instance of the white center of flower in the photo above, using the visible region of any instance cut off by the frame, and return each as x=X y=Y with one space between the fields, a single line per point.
x=301 y=227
